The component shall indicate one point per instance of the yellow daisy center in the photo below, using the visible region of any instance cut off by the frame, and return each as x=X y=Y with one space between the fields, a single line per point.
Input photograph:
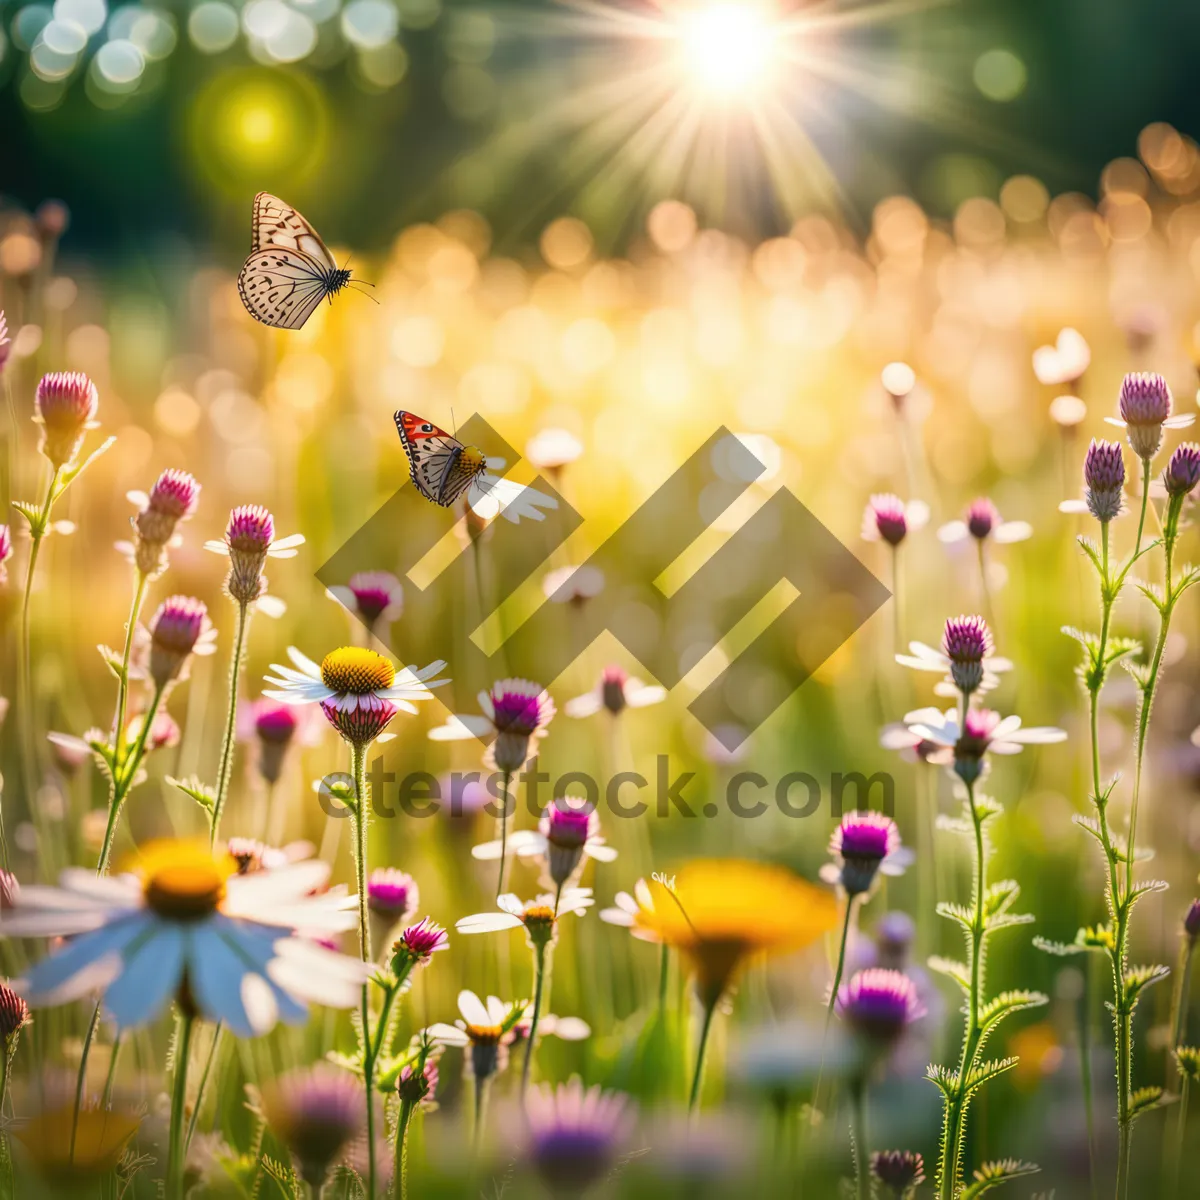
x=184 y=881
x=485 y=1034
x=539 y=913
x=354 y=669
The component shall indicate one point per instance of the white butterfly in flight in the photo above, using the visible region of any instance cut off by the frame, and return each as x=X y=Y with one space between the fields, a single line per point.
x=290 y=270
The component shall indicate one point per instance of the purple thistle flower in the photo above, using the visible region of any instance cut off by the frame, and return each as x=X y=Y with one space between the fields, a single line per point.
x=419 y=1087
x=417 y=945
x=575 y=1136
x=66 y=404
x=172 y=499
x=1104 y=479
x=14 y=1015
x=174 y=631
x=612 y=689
x=1191 y=920
x=6 y=549
x=973 y=743
x=879 y=1004
x=566 y=826
x=861 y=842
x=392 y=894
x=520 y=710
x=1183 y=471
x=360 y=725
x=886 y=515
x=982 y=518
x=966 y=642
x=376 y=594
x=898 y=1170
x=1145 y=403
x=274 y=725
x=248 y=535
x=317 y=1113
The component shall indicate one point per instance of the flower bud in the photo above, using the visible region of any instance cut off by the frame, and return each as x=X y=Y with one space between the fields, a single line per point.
x=1104 y=479
x=66 y=405
x=1183 y=471
x=248 y=535
x=966 y=642
x=1145 y=404
x=174 y=631
x=172 y=499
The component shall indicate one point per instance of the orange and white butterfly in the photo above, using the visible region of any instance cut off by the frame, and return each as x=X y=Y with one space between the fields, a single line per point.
x=444 y=469
x=290 y=270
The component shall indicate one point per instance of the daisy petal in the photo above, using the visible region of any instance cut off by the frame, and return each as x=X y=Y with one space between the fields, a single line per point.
x=149 y=978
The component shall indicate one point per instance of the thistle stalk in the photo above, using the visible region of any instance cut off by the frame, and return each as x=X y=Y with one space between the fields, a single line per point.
x=225 y=765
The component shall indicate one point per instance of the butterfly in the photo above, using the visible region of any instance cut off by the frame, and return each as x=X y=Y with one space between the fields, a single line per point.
x=290 y=270
x=442 y=467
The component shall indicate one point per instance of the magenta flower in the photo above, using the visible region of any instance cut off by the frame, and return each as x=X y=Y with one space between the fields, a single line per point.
x=376 y=597
x=249 y=541
x=417 y=945
x=568 y=830
x=66 y=404
x=1183 y=471
x=1191 y=920
x=362 y=724
x=515 y=714
x=393 y=897
x=6 y=550
x=900 y=1171
x=275 y=726
x=1104 y=479
x=179 y=628
x=575 y=1136
x=863 y=845
x=983 y=521
x=419 y=1087
x=967 y=642
x=983 y=732
x=172 y=499
x=878 y=1004
x=887 y=518
x=1145 y=405
x=14 y=1016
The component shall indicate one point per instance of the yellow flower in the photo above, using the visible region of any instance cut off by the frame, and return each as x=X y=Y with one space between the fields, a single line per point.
x=100 y=1142
x=720 y=912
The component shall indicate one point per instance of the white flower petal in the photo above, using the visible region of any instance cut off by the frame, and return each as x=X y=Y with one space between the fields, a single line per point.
x=288 y=543
x=643 y=697
x=571 y=1029
x=459 y=728
x=447 y=1035
x=59 y=969
x=1042 y=735
x=488 y=923
x=595 y=848
x=953 y=531
x=271 y=606
x=584 y=706
x=217 y=547
x=305 y=664
x=472 y=1008
x=1013 y=531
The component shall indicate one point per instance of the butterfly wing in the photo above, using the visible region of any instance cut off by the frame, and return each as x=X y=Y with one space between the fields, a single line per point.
x=281 y=287
x=464 y=470
x=279 y=224
x=432 y=456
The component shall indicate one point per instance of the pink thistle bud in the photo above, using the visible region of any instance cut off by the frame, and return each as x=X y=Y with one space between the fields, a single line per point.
x=6 y=549
x=973 y=743
x=66 y=405
x=566 y=825
x=164 y=731
x=900 y=1171
x=5 y=344
x=1145 y=404
x=14 y=1015
x=861 y=842
x=419 y=1087
x=174 y=631
x=966 y=642
x=982 y=518
x=248 y=535
x=417 y=945
x=317 y=1113
x=377 y=594
x=392 y=894
x=886 y=515
x=275 y=725
x=1104 y=479
x=172 y=499
x=1183 y=471
x=361 y=724
x=521 y=710
x=612 y=689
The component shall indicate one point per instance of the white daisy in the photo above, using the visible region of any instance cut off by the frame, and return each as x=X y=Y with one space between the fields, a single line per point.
x=538 y=916
x=351 y=678
x=984 y=522
x=187 y=919
x=922 y=657
x=490 y=496
x=986 y=731
x=626 y=907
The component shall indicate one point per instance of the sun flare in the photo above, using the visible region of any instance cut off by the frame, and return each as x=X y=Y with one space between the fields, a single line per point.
x=729 y=50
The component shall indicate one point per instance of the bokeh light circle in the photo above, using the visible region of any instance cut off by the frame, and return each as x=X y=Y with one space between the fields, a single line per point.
x=213 y=27
x=999 y=74
x=254 y=124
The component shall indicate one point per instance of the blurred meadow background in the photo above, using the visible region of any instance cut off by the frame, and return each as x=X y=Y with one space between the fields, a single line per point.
x=907 y=249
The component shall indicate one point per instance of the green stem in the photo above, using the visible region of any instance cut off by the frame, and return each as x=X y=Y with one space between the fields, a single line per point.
x=503 y=835
x=176 y=1151
x=400 y=1171
x=664 y=976
x=1085 y=1070
x=225 y=767
x=862 y=1158
x=955 y=1114
x=29 y=754
x=897 y=605
x=140 y=583
x=1180 y=1139
x=81 y=1079
x=358 y=760
x=481 y=1091
x=539 y=975
x=110 y=1079
x=1137 y=545
x=841 y=960
x=123 y=778
x=701 y=1050
x=208 y=1064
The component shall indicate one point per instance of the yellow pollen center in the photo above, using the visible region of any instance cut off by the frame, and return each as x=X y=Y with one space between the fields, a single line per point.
x=485 y=1034
x=184 y=881
x=539 y=914
x=353 y=669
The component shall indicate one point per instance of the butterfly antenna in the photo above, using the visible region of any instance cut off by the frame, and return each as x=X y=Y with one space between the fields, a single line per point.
x=453 y=422
x=361 y=293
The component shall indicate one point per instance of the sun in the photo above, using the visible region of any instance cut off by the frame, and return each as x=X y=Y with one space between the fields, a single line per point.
x=728 y=49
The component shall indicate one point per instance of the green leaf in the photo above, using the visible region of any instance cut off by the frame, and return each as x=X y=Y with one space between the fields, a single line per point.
x=1144 y=1099
x=33 y=514
x=999 y=897
x=203 y=795
x=1137 y=979
x=1146 y=887
x=957 y=912
x=1007 y=1003
x=69 y=474
x=113 y=660
x=985 y=1071
x=993 y=1174
x=945 y=1078
x=1060 y=949
x=959 y=972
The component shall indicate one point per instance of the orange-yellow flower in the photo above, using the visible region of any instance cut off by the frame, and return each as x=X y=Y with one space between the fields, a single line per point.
x=720 y=912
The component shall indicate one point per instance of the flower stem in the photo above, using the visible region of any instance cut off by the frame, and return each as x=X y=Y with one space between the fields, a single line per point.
x=481 y=1091
x=862 y=1182
x=400 y=1171
x=225 y=767
x=176 y=1151
x=1180 y=1139
x=135 y=609
x=841 y=960
x=539 y=975
x=81 y=1079
x=503 y=834
x=664 y=976
x=698 y=1077
x=29 y=754
x=358 y=760
x=208 y=1064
